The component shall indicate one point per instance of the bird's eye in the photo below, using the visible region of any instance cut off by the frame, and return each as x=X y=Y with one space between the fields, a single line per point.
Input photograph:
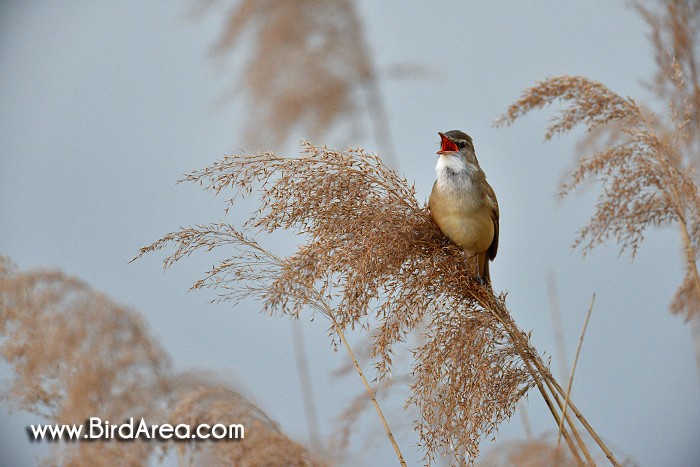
x=462 y=144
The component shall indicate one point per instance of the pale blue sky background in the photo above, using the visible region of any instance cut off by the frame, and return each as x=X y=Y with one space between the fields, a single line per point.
x=104 y=105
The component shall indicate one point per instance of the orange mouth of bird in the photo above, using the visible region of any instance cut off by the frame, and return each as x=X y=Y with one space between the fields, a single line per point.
x=446 y=145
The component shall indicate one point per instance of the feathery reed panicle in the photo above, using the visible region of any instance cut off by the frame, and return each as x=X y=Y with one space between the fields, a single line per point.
x=372 y=255
x=534 y=452
x=647 y=178
x=538 y=451
x=76 y=355
x=197 y=399
x=675 y=30
x=542 y=450
x=309 y=67
x=472 y=386
x=591 y=103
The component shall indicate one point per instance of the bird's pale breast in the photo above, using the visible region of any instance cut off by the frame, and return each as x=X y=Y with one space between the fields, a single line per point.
x=462 y=219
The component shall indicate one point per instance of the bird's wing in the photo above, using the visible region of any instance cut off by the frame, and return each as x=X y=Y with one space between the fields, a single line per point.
x=495 y=214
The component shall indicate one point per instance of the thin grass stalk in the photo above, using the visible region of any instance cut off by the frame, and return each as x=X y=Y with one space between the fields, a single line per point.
x=323 y=306
x=555 y=414
x=572 y=425
x=371 y=394
x=584 y=422
x=557 y=326
x=565 y=416
x=539 y=376
x=559 y=419
x=690 y=255
x=542 y=372
x=368 y=388
x=307 y=387
x=573 y=366
x=558 y=392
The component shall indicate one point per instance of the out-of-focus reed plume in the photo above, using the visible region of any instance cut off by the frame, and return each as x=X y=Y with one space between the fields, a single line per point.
x=646 y=162
x=196 y=399
x=307 y=66
x=674 y=32
x=532 y=452
x=75 y=354
x=647 y=174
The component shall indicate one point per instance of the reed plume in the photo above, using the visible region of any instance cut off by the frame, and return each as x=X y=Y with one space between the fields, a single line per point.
x=646 y=170
x=542 y=450
x=197 y=398
x=308 y=69
x=646 y=162
x=76 y=354
x=534 y=452
x=372 y=257
x=674 y=31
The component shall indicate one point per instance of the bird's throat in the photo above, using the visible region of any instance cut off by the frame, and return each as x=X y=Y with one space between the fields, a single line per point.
x=452 y=171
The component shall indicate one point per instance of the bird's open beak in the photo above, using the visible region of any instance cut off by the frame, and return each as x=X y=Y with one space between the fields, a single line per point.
x=446 y=145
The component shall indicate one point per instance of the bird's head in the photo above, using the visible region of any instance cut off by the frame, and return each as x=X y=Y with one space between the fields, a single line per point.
x=456 y=151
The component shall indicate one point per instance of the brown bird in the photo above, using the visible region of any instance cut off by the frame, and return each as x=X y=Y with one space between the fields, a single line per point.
x=462 y=202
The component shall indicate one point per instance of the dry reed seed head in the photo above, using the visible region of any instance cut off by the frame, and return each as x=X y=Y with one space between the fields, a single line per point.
x=532 y=452
x=309 y=66
x=371 y=253
x=674 y=30
x=541 y=450
x=591 y=103
x=75 y=354
x=197 y=399
x=473 y=386
x=646 y=174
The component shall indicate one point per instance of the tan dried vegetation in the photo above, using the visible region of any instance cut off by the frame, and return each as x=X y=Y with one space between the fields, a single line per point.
x=196 y=399
x=306 y=66
x=75 y=354
x=539 y=451
x=534 y=452
x=372 y=257
x=645 y=163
